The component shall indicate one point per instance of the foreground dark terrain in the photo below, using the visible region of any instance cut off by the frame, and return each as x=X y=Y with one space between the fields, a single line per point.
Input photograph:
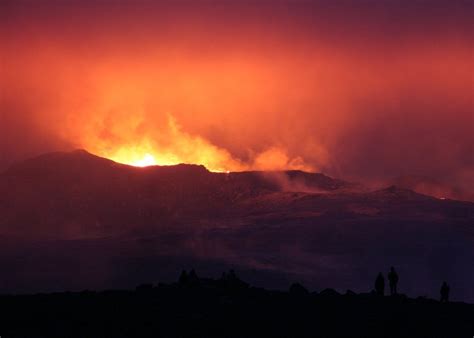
x=228 y=307
x=74 y=221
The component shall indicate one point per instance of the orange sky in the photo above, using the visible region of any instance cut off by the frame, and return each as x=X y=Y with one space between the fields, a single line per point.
x=361 y=92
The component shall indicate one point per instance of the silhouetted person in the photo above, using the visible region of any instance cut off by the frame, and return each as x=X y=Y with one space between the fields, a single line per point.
x=183 y=278
x=393 y=281
x=444 y=293
x=380 y=284
x=232 y=276
x=193 y=279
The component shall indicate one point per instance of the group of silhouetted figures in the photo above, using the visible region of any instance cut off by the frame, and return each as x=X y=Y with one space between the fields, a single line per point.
x=392 y=277
x=228 y=279
x=380 y=282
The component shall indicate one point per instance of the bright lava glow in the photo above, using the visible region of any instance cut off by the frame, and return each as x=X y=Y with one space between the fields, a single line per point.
x=139 y=158
x=142 y=156
x=146 y=161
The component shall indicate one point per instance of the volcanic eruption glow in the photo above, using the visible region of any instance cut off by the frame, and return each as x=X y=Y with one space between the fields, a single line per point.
x=169 y=146
x=146 y=161
x=243 y=86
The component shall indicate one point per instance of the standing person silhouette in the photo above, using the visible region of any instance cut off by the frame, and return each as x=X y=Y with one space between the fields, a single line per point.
x=393 y=280
x=380 y=284
x=444 y=293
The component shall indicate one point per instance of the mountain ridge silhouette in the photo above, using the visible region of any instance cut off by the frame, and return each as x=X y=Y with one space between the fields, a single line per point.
x=75 y=214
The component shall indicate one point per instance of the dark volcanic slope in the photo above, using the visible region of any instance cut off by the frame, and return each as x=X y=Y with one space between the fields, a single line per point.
x=77 y=194
x=432 y=187
x=74 y=220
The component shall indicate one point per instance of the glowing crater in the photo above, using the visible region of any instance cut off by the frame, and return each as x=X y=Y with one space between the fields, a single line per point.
x=146 y=161
x=141 y=158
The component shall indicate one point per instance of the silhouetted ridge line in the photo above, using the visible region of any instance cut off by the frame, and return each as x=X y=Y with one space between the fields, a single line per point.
x=228 y=307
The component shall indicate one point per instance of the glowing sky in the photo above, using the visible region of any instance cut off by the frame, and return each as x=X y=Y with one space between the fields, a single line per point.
x=357 y=89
